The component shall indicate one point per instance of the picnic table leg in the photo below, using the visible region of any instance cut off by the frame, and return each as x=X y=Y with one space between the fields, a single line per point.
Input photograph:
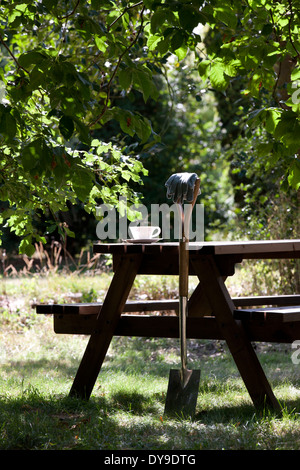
x=240 y=347
x=106 y=323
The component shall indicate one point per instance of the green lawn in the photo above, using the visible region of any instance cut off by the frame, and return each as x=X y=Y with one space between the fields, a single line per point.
x=126 y=409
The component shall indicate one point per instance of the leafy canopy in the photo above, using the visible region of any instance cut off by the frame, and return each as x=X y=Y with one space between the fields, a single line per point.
x=65 y=65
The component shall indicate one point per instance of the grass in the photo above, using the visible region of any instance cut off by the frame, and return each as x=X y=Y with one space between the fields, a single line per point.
x=126 y=409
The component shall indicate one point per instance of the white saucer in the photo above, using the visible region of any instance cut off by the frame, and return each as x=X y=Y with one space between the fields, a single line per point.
x=142 y=240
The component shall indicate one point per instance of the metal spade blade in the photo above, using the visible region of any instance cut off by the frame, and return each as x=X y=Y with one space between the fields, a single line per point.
x=183 y=383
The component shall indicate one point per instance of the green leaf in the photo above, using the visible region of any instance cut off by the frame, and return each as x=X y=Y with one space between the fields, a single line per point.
x=294 y=175
x=39 y=76
x=100 y=43
x=98 y=4
x=181 y=52
x=26 y=247
x=8 y=126
x=36 y=156
x=126 y=123
x=126 y=174
x=204 y=68
x=217 y=77
x=231 y=68
x=83 y=130
x=144 y=83
x=295 y=75
x=163 y=46
x=148 y=3
x=157 y=19
x=142 y=128
x=30 y=155
x=161 y=16
x=264 y=149
x=66 y=127
x=153 y=41
x=267 y=29
x=189 y=17
x=125 y=78
x=32 y=57
x=69 y=232
x=82 y=183
x=226 y=15
x=288 y=130
x=272 y=118
x=50 y=4
x=178 y=39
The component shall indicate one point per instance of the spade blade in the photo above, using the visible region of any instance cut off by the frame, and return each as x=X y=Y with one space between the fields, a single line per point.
x=182 y=393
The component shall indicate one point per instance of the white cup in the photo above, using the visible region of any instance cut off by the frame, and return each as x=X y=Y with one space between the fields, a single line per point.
x=144 y=232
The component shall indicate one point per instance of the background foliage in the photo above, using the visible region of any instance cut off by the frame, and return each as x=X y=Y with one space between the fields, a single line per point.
x=98 y=97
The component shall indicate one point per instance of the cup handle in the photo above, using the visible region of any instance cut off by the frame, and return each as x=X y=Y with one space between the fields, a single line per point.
x=156 y=232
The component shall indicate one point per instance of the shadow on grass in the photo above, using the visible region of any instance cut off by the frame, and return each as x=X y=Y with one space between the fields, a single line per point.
x=135 y=402
x=127 y=420
x=124 y=417
x=31 y=422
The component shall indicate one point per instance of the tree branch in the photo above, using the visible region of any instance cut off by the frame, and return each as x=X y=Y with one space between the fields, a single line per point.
x=117 y=68
x=123 y=13
x=70 y=14
x=12 y=55
x=289 y=26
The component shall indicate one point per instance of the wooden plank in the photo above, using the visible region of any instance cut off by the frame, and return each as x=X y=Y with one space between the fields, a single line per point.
x=152 y=305
x=167 y=327
x=260 y=247
x=105 y=326
x=45 y=309
x=74 y=324
x=278 y=300
x=267 y=315
x=139 y=325
x=73 y=308
x=248 y=249
x=95 y=308
x=136 y=248
x=156 y=262
x=162 y=258
x=198 y=304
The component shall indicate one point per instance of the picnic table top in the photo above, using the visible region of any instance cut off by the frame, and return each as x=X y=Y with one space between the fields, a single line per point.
x=249 y=248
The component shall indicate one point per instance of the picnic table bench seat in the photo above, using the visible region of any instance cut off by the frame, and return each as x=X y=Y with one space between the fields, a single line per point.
x=277 y=321
x=163 y=305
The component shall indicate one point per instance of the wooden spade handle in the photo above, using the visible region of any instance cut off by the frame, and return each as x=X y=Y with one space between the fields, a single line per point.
x=183 y=269
x=196 y=191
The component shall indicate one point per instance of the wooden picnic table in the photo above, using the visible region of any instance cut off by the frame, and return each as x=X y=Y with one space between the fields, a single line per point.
x=212 y=312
